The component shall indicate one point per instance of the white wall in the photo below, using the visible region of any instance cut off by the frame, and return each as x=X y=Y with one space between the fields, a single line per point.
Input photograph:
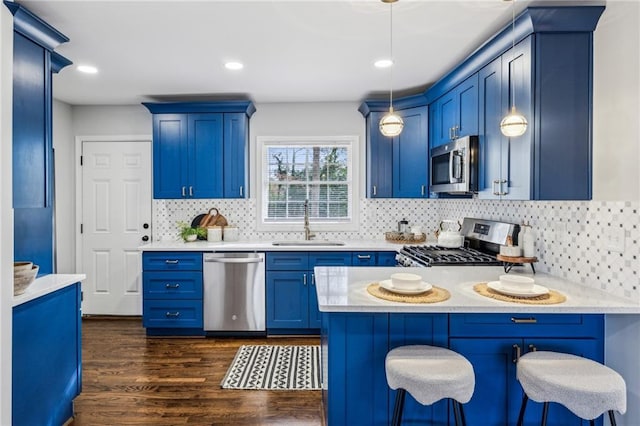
x=6 y=212
x=616 y=103
x=64 y=200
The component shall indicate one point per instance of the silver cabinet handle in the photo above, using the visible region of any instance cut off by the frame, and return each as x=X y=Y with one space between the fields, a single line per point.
x=176 y=285
x=455 y=131
x=529 y=320
x=304 y=279
x=494 y=183
x=450 y=133
x=191 y=191
x=241 y=191
x=233 y=260
x=502 y=192
x=313 y=279
x=375 y=190
x=422 y=188
x=364 y=256
x=172 y=314
x=515 y=353
x=172 y=262
x=184 y=191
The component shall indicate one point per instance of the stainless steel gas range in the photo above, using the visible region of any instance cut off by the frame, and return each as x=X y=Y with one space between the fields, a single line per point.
x=482 y=241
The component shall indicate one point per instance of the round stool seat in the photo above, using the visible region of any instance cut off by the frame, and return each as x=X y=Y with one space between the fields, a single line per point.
x=430 y=373
x=585 y=387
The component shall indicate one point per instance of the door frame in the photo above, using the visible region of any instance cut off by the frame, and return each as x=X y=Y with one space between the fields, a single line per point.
x=78 y=176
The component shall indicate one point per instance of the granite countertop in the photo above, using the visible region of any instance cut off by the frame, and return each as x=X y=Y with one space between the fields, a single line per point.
x=349 y=245
x=45 y=285
x=344 y=289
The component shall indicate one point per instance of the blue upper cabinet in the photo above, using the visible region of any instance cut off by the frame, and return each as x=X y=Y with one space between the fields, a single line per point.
x=200 y=149
x=34 y=62
x=397 y=167
x=549 y=75
x=455 y=114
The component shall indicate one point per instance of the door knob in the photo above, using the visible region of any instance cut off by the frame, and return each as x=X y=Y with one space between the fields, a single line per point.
x=145 y=225
x=145 y=238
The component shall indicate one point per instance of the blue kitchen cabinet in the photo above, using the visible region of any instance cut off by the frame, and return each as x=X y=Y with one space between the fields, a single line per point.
x=354 y=346
x=34 y=62
x=172 y=293
x=386 y=258
x=47 y=358
x=492 y=343
x=292 y=300
x=397 y=167
x=455 y=114
x=200 y=150
x=373 y=258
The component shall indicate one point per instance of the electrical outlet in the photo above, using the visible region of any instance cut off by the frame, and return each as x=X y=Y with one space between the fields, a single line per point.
x=615 y=239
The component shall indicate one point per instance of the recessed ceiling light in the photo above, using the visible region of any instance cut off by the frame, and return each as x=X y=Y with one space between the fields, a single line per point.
x=233 y=66
x=87 y=69
x=383 y=63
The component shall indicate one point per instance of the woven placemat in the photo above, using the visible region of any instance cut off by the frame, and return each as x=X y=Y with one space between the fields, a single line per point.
x=551 y=298
x=436 y=294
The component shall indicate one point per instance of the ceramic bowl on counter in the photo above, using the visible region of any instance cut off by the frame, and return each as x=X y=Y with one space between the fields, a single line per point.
x=406 y=281
x=23 y=276
x=516 y=282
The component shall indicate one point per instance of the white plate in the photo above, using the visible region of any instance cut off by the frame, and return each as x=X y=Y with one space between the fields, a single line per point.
x=386 y=284
x=537 y=290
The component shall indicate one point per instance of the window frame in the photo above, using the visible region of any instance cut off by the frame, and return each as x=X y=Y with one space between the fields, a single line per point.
x=352 y=142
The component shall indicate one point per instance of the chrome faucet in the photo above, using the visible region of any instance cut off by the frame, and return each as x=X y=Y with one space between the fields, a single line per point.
x=307 y=232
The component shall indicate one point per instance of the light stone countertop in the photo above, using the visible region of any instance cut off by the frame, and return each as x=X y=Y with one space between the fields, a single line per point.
x=349 y=245
x=45 y=285
x=343 y=289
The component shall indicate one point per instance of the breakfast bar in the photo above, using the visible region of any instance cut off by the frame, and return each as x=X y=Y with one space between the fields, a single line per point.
x=358 y=329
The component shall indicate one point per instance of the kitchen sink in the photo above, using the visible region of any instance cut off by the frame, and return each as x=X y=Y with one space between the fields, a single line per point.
x=308 y=243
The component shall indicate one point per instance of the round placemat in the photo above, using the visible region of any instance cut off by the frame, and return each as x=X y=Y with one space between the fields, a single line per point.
x=550 y=298
x=436 y=294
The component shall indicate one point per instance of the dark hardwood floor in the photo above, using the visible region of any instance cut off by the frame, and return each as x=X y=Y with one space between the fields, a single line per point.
x=129 y=379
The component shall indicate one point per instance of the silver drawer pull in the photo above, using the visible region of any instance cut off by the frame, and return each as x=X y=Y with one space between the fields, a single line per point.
x=176 y=285
x=363 y=256
x=530 y=320
x=172 y=314
x=171 y=262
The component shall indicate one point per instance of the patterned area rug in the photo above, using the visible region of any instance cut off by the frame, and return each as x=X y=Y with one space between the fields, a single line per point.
x=271 y=367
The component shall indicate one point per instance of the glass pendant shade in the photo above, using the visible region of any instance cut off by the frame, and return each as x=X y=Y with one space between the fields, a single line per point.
x=513 y=124
x=391 y=124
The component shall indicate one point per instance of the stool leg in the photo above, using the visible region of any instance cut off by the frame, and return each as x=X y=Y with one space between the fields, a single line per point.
x=612 y=418
x=456 y=412
x=464 y=421
x=397 y=408
x=545 y=411
x=525 y=398
x=592 y=422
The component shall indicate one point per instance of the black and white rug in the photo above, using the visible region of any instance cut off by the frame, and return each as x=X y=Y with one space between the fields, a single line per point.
x=267 y=367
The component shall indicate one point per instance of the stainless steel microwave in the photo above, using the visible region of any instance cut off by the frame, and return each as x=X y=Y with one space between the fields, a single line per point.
x=454 y=166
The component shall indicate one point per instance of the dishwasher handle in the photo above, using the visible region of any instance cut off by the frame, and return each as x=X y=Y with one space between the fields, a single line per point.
x=234 y=259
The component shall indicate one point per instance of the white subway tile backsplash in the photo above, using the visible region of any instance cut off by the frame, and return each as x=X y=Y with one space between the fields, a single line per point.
x=574 y=239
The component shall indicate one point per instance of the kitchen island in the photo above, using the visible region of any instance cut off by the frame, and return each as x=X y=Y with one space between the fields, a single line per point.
x=359 y=329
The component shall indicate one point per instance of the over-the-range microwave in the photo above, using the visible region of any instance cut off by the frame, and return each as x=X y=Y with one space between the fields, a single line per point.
x=454 y=166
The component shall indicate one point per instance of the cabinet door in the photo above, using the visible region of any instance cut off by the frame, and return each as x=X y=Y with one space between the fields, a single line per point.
x=287 y=300
x=235 y=154
x=379 y=160
x=497 y=395
x=170 y=159
x=467 y=107
x=364 y=258
x=517 y=85
x=446 y=118
x=386 y=258
x=558 y=414
x=205 y=155
x=492 y=155
x=315 y=316
x=410 y=155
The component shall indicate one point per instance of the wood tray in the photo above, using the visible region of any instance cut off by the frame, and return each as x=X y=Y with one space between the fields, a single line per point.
x=518 y=259
x=389 y=236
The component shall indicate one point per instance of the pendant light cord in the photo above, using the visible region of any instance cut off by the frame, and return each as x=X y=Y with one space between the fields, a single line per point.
x=391 y=55
x=513 y=51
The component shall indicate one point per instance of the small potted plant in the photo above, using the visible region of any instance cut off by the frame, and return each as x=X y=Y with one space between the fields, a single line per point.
x=188 y=233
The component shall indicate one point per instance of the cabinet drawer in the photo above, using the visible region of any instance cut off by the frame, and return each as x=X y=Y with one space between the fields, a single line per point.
x=172 y=261
x=525 y=325
x=172 y=313
x=288 y=261
x=364 y=258
x=335 y=258
x=386 y=258
x=172 y=285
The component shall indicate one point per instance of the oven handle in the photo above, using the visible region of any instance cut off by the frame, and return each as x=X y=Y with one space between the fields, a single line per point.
x=451 y=155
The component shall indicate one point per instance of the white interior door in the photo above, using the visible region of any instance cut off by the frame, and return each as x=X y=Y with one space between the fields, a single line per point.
x=116 y=217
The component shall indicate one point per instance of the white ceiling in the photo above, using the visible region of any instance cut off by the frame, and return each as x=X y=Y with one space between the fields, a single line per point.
x=293 y=51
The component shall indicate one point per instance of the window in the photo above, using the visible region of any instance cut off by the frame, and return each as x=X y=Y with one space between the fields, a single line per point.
x=320 y=170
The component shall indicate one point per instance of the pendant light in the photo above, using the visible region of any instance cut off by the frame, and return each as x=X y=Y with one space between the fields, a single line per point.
x=391 y=124
x=514 y=123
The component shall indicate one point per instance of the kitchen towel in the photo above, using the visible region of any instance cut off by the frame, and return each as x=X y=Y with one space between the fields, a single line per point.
x=274 y=367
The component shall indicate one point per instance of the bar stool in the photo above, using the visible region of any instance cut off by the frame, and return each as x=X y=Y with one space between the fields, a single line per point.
x=585 y=387
x=429 y=374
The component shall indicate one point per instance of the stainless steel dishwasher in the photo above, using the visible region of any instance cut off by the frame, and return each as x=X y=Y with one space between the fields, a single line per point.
x=234 y=288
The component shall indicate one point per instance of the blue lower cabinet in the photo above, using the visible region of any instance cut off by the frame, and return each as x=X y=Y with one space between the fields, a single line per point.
x=172 y=314
x=287 y=300
x=47 y=363
x=386 y=258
